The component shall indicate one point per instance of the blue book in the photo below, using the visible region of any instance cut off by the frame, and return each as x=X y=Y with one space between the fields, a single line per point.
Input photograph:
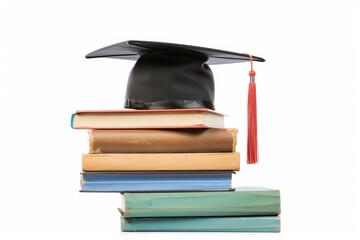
x=201 y=224
x=155 y=181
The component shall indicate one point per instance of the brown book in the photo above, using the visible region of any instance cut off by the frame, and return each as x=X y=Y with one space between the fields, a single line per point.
x=162 y=140
x=161 y=162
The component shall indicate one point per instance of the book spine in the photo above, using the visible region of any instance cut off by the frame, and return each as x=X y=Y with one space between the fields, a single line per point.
x=162 y=140
x=214 y=224
x=72 y=121
x=161 y=162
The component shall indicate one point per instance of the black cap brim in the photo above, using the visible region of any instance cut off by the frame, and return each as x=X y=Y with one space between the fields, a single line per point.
x=130 y=50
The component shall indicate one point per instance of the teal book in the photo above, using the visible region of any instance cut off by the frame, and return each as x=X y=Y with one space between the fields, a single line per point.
x=245 y=201
x=202 y=224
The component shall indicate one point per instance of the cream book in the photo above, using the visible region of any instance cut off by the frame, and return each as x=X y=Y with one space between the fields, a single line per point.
x=159 y=118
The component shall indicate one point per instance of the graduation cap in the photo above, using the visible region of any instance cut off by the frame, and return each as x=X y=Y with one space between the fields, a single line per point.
x=168 y=75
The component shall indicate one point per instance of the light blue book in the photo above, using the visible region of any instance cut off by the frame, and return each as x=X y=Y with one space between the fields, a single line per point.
x=202 y=224
x=155 y=181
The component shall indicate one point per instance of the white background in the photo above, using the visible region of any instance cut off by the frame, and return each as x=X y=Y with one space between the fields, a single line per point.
x=306 y=107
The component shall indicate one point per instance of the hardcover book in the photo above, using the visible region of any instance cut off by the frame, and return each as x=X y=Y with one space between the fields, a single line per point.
x=202 y=224
x=157 y=118
x=162 y=140
x=244 y=201
x=155 y=181
x=161 y=162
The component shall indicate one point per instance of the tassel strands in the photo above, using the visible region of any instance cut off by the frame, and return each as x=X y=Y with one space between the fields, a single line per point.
x=252 y=141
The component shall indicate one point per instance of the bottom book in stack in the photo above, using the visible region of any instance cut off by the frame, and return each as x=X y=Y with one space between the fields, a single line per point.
x=250 y=209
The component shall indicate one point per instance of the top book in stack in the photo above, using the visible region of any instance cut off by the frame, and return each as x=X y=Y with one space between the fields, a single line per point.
x=145 y=119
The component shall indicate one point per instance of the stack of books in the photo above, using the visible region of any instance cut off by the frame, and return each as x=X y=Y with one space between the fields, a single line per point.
x=174 y=168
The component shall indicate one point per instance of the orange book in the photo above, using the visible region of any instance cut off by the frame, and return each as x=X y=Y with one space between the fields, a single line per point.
x=161 y=162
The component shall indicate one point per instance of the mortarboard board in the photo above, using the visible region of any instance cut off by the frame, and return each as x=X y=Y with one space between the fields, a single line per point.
x=168 y=75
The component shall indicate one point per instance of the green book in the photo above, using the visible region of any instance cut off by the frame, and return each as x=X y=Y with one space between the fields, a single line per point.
x=245 y=201
x=202 y=224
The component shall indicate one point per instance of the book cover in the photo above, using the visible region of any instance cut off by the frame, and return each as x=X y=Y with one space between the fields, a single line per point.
x=154 y=181
x=202 y=224
x=157 y=118
x=244 y=201
x=162 y=140
x=161 y=162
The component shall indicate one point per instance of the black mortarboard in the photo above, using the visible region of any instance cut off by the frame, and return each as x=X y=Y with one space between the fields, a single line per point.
x=168 y=75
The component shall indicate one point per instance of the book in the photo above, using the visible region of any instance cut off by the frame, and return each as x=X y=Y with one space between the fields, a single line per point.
x=157 y=118
x=202 y=224
x=155 y=181
x=244 y=201
x=161 y=161
x=162 y=140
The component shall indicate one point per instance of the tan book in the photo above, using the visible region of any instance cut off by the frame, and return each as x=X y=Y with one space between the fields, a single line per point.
x=162 y=140
x=161 y=162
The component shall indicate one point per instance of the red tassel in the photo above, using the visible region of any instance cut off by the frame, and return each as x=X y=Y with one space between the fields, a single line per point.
x=252 y=141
